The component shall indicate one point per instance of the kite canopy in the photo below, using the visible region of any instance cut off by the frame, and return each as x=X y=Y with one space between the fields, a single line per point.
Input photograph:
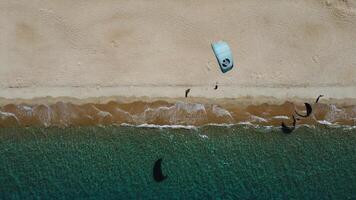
x=223 y=55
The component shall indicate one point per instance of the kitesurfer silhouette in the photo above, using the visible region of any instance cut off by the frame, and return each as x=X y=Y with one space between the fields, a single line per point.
x=157 y=171
x=308 y=108
x=187 y=92
x=285 y=129
x=317 y=99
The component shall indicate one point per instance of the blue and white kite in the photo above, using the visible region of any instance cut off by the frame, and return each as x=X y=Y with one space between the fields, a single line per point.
x=223 y=55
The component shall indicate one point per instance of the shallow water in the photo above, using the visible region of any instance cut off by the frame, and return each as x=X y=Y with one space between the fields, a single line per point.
x=65 y=114
x=211 y=162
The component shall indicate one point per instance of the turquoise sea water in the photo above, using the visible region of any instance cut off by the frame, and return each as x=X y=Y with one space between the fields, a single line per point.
x=210 y=162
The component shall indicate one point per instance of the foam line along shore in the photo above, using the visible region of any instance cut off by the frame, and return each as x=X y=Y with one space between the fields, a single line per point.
x=64 y=114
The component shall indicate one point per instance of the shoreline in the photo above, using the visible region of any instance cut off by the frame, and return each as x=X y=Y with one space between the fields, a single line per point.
x=201 y=94
x=190 y=111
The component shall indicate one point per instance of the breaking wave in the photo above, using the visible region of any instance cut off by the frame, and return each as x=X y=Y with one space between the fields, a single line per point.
x=162 y=114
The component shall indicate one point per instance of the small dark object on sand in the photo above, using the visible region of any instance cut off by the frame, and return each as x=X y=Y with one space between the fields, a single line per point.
x=216 y=87
x=309 y=110
x=318 y=98
x=186 y=93
x=285 y=129
x=157 y=171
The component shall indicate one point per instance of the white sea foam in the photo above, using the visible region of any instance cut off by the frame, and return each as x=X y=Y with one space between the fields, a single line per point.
x=349 y=127
x=5 y=115
x=27 y=108
x=325 y=122
x=245 y=123
x=258 y=119
x=280 y=117
x=190 y=107
x=189 y=127
x=306 y=125
x=203 y=136
x=104 y=114
x=221 y=125
x=221 y=112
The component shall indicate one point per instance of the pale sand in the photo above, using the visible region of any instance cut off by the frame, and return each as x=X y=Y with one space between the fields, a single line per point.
x=157 y=49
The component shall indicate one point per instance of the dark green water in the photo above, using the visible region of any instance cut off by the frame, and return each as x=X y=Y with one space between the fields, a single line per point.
x=232 y=163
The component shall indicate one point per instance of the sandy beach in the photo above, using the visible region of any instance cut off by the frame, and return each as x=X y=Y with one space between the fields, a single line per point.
x=91 y=49
x=125 y=99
